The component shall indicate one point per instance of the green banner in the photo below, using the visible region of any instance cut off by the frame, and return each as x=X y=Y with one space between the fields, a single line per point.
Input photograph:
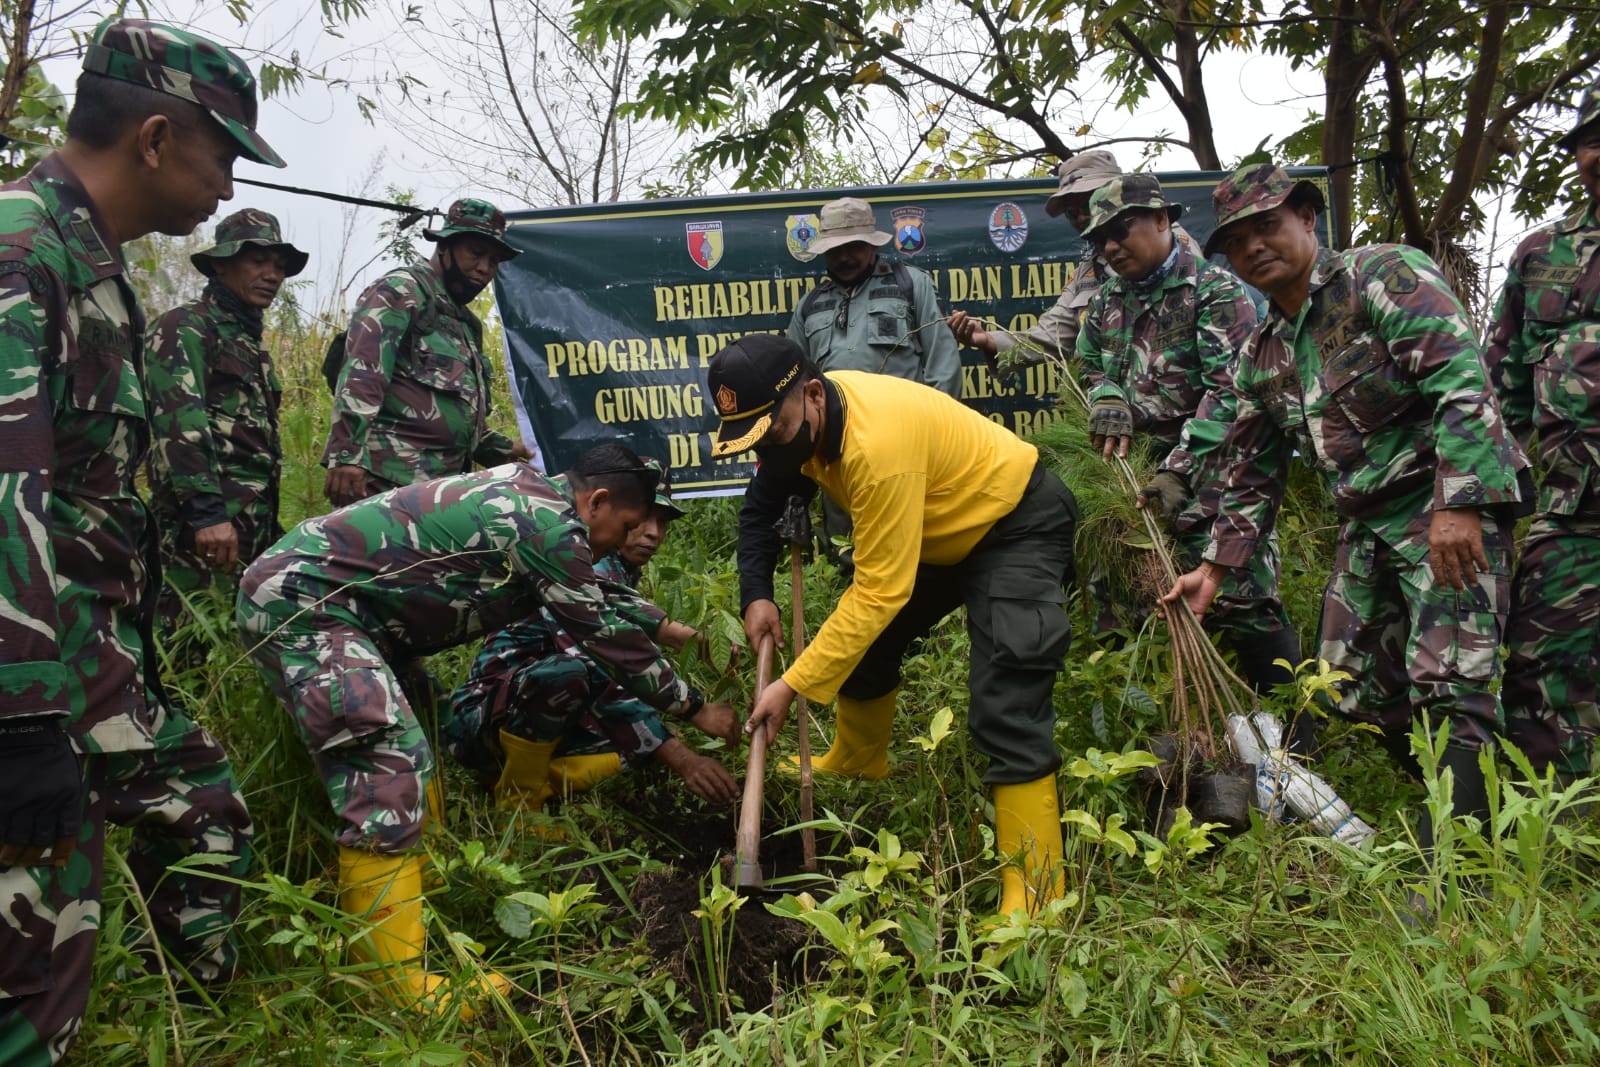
x=614 y=310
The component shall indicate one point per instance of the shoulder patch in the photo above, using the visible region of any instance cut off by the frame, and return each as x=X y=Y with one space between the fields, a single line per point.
x=36 y=277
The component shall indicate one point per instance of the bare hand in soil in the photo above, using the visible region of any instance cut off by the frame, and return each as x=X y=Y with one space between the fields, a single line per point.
x=1455 y=547
x=771 y=710
x=719 y=720
x=761 y=618
x=709 y=780
x=1198 y=589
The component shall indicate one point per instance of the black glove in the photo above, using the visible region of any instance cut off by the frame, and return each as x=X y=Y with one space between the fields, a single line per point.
x=1110 y=417
x=1168 y=492
x=40 y=788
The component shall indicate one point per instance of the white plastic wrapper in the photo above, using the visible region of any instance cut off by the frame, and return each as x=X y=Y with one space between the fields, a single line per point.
x=1283 y=781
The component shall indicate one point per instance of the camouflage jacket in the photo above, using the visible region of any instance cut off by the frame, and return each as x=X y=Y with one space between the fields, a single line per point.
x=79 y=588
x=1162 y=348
x=1379 y=383
x=1544 y=354
x=214 y=399
x=879 y=332
x=413 y=405
x=432 y=565
x=1055 y=335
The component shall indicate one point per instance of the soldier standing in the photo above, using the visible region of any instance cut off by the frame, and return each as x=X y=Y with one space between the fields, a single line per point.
x=1545 y=354
x=951 y=510
x=214 y=399
x=331 y=609
x=1157 y=350
x=411 y=400
x=533 y=693
x=1055 y=335
x=871 y=314
x=86 y=734
x=1365 y=365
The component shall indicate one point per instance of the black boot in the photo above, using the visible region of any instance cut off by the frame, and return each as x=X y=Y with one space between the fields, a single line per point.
x=1398 y=744
x=1469 y=796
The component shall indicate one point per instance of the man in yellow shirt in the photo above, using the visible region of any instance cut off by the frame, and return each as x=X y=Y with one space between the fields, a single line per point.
x=949 y=509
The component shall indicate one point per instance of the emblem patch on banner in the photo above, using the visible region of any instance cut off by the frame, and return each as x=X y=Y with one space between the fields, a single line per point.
x=908 y=233
x=705 y=243
x=727 y=402
x=1008 y=227
x=798 y=233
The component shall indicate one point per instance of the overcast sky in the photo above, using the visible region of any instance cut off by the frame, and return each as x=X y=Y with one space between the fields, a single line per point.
x=328 y=145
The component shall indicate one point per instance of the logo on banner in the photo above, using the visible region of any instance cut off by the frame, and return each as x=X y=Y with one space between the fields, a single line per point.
x=1008 y=227
x=705 y=243
x=727 y=401
x=908 y=233
x=798 y=233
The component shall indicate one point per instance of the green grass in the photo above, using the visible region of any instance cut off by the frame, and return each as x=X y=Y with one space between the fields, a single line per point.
x=1272 y=948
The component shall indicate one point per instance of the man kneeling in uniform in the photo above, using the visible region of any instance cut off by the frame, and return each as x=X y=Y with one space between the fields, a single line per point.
x=535 y=700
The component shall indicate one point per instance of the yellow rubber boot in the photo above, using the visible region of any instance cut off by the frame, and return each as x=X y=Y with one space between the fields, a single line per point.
x=575 y=774
x=386 y=891
x=1027 y=831
x=525 y=777
x=861 y=730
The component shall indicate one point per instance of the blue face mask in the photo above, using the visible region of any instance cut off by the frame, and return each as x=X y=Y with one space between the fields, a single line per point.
x=790 y=456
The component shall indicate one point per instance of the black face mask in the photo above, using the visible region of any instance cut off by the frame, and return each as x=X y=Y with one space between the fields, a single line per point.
x=788 y=457
x=462 y=289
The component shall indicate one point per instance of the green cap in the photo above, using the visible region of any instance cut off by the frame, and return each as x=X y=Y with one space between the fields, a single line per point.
x=1253 y=189
x=1128 y=193
x=251 y=226
x=187 y=66
x=477 y=217
x=663 y=487
x=1588 y=108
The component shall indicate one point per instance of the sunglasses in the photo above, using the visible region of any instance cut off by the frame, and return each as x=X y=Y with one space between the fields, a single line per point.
x=1115 y=230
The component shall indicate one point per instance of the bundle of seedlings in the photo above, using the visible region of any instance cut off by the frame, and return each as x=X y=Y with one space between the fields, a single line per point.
x=1131 y=559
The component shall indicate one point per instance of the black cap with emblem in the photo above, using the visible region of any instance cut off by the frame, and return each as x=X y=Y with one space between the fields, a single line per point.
x=746 y=380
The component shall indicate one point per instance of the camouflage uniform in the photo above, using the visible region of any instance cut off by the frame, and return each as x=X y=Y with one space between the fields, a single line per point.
x=1379 y=384
x=412 y=398
x=330 y=608
x=1165 y=345
x=79 y=590
x=214 y=398
x=534 y=681
x=1545 y=354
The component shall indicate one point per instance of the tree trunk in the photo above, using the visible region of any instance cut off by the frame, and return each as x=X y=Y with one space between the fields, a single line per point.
x=17 y=62
x=1346 y=71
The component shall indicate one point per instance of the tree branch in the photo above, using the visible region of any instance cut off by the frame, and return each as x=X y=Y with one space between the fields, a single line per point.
x=527 y=124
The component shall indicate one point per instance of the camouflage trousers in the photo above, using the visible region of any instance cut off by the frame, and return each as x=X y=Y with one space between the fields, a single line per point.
x=352 y=714
x=1552 y=705
x=1415 y=649
x=182 y=800
x=525 y=682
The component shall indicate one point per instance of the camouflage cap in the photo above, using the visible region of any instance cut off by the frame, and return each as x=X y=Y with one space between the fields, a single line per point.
x=1588 y=108
x=1080 y=176
x=1252 y=189
x=251 y=226
x=478 y=217
x=663 y=487
x=1129 y=192
x=843 y=221
x=187 y=66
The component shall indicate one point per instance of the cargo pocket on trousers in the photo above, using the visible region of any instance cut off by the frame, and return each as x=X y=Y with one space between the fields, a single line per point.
x=353 y=696
x=1028 y=623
